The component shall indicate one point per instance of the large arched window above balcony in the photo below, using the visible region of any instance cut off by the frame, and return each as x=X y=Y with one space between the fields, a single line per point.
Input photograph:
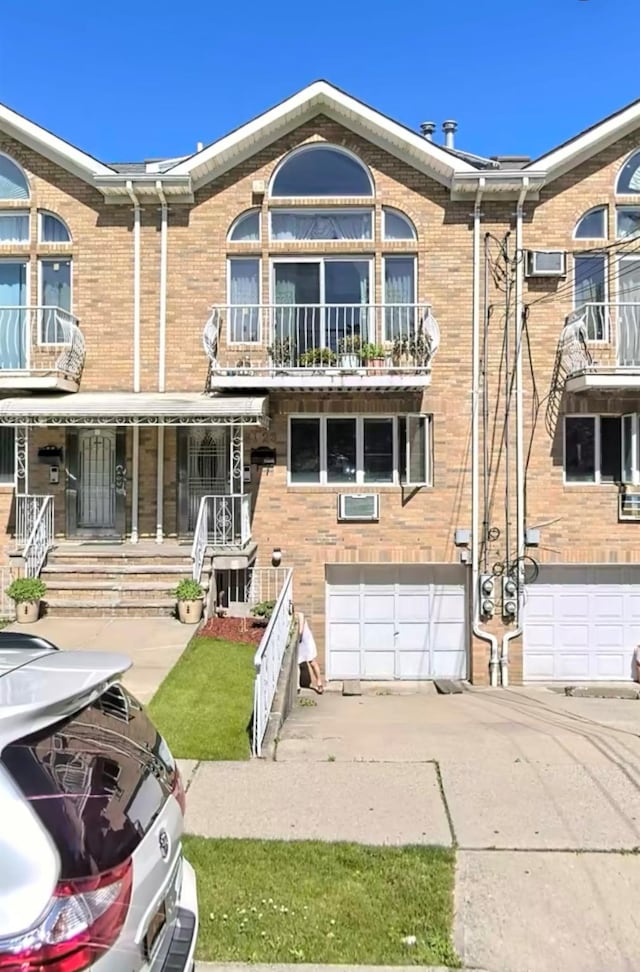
x=320 y=170
x=13 y=181
x=246 y=228
x=592 y=225
x=397 y=226
x=629 y=178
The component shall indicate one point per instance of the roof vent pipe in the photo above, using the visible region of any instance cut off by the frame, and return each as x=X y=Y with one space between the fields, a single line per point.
x=199 y=146
x=449 y=128
x=427 y=129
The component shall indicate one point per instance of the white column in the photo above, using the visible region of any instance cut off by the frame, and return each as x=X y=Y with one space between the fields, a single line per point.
x=22 y=459
x=160 y=487
x=135 y=490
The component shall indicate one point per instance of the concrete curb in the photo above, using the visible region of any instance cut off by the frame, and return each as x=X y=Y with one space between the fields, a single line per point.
x=249 y=967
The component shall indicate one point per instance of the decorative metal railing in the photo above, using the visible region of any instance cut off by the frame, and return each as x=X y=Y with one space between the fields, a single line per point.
x=268 y=660
x=276 y=338
x=615 y=326
x=28 y=506
x=40 y=339
x=40 y=540
x=223 y=521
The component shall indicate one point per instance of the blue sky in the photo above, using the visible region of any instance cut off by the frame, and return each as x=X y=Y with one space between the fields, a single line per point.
x=127 y=81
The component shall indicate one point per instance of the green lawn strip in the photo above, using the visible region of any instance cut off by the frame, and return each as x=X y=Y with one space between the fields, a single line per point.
x=204 y=705
x=308 y=901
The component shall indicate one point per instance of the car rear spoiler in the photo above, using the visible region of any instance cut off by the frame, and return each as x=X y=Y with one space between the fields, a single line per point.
x=53 y=686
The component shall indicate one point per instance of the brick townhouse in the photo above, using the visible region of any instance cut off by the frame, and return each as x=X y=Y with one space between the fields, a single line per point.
x=410 y=373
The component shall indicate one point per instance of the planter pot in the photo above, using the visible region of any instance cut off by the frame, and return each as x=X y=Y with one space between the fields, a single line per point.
x=190 y=612
x=27 y=612
x=377 y=363
x=349 y=361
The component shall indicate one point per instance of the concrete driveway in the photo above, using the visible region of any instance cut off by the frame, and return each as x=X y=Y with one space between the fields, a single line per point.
x=153 y=644
x=539 y=793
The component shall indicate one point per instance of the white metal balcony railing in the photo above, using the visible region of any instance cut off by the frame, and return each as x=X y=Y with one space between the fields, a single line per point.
x=28 y=506
x=40 y=540
x=223 y=521
x=614 y=324
x=40 y=339
x=288 y=337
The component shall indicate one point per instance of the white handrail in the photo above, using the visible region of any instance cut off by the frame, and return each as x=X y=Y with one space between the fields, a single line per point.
x=224 y=520
x=268 y=661
x=28 y=505
x=40 y=540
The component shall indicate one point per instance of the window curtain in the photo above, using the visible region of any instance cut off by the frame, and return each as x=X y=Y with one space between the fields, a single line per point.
x=14 y=228
x=56 y=295
x=244 y=295
x=13 y=320
x=399 y=289
x=53 y=230
x=629 y=313
x=286 y=227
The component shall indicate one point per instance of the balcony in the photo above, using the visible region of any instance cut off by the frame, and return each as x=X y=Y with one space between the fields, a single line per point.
x=41 y=348
x=321 y=346
x=601 y=347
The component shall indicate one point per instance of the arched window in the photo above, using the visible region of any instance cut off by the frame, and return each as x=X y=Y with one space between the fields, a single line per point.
x=13 y=181
x=246 y=228
x=397 y=226
x=53 y=229
x=629 y=178
x=320 y=170
x=592 y=225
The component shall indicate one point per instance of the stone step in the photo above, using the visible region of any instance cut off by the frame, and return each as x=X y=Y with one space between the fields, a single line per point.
x=81 y=607
x=76 y=557
x=86 y=584
x=55 y=567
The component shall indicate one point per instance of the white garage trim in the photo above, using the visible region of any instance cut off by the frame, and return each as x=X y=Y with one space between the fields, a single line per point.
x=395 y=622
x=582 y=624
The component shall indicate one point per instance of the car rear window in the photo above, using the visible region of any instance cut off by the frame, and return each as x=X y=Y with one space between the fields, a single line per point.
x=97 y=780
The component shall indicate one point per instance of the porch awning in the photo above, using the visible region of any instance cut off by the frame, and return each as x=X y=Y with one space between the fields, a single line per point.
x=143 y=408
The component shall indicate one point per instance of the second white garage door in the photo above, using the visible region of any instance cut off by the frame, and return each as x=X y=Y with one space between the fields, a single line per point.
x=582 y=624
x=396 y=622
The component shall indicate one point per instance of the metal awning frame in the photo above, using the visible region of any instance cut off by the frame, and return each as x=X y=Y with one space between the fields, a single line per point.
x=47 y=421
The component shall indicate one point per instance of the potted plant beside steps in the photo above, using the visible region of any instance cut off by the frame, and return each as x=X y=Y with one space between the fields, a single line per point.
x=26 y=593
x=190 y=598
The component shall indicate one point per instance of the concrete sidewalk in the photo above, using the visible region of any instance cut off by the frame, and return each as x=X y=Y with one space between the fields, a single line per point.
x=153 y=644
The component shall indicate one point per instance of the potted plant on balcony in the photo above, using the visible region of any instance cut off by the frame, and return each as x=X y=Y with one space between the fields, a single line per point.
x=375 y=355
x=318 y=358
x=280 y=353
x=399 y=352
x=263 y=611
x=419 y=348
x=26 y=593
x=350 y=350
x=190 y=597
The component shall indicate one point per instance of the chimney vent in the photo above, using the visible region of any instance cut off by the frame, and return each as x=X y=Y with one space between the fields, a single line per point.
x=427 y=129
x=449 y=128
x=199 y=146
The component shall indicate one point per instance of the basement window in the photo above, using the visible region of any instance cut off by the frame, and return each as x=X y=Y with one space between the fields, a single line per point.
x=592 y=449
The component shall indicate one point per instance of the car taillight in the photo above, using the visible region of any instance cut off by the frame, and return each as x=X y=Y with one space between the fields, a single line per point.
x=84 y=919
x=178 y=792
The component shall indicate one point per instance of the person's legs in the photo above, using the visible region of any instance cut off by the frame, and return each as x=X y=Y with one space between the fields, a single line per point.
x=316 y=679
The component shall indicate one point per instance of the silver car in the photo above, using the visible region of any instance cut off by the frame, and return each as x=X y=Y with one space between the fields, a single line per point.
x=92 y=874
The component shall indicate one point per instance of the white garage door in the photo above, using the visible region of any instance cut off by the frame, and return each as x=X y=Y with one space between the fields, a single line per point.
x=582 y=624
x=396 y=622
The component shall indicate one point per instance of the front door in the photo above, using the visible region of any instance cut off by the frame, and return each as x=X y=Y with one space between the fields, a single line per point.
x=203 y=470
x=13 y=315
x=96 y=482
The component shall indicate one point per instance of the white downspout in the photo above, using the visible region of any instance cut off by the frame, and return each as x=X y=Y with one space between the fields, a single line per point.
x=162 y=334
x=520 y=472
x=475 y=444
x=136 y=359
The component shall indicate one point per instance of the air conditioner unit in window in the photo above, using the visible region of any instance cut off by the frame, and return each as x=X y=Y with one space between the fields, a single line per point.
x=359 y=506
x=546 y=263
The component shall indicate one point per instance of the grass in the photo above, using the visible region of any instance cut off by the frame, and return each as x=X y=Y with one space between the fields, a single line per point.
x=273 y=901
x=204 y=705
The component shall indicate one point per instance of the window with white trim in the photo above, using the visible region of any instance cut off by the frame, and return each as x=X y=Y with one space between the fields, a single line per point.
x=244 y=298
x=53 y=229
x=592 y=225
x=397 y=225
x=627 y=221
x=321 y=224
x=14 y=227
x=7 y=455
x=592 y=449
x=590 y=292
x=246 y=228
x=13 y=182
x=55 y=300
x=335 y=450
x=629 y=178
x=319 y=170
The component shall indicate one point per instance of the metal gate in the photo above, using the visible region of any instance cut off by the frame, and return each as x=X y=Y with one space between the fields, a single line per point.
x=207 y=468
x=97 y=479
